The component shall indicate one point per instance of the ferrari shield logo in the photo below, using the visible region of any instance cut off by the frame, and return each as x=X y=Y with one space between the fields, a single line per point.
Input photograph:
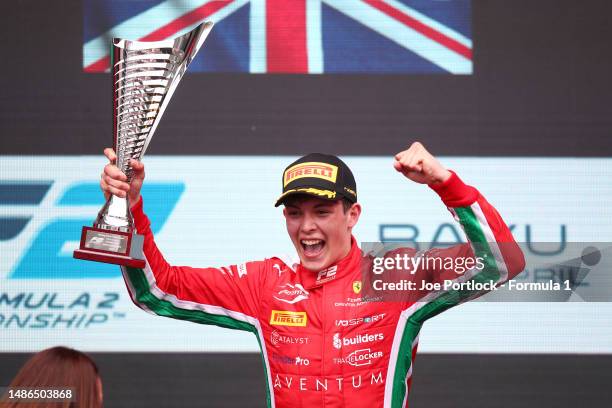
x=357 y=287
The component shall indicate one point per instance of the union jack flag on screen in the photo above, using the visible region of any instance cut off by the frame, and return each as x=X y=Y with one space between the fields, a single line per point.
x=294 y=36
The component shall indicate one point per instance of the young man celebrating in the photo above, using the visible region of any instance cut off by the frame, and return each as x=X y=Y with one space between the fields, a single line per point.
x=324 y=343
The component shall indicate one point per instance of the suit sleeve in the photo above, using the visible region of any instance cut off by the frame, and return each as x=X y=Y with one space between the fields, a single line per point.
x=225 y=296
x=489 y=240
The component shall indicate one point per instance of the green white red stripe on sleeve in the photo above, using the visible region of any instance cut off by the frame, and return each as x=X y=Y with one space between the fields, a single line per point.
x=491 y=240
x=148 y=296
x=192 y=293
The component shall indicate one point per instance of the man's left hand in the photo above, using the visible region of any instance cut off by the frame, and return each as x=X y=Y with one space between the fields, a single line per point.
x=418 y=165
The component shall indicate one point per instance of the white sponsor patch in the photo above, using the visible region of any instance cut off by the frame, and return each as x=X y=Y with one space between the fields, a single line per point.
x=276 y=338
x=364 y=338
x=360 y=357
x=291 y=294
x=359 y=320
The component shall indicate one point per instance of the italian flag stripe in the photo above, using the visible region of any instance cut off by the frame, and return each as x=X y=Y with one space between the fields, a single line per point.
x=403 y=363
x=477 y=230
x=146 y=294
x=169 y=306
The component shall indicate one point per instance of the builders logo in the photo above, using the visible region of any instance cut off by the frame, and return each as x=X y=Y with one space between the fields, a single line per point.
x=338 y=341
x=285 y=318
x=310 y=169
x=357 y=287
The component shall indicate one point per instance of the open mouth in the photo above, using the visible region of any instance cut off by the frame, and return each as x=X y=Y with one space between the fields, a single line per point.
x=312 y=247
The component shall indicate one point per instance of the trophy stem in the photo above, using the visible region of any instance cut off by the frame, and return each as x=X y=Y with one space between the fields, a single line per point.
x=123 y=163
x=115 y=215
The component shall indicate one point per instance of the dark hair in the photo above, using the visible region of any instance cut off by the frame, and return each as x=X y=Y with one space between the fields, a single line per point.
x=346 y=204
x=59 y=367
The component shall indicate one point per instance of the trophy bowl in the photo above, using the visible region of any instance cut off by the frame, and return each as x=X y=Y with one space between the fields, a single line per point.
x=144 y=76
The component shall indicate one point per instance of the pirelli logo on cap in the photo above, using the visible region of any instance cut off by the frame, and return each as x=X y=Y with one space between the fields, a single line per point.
x=323 y=171
x=285 y=318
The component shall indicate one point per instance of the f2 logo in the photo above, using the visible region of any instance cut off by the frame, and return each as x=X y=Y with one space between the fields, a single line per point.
x=50 y=254
x=326 y=275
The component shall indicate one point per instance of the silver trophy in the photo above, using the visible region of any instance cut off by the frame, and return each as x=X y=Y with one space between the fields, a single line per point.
x=145 y=75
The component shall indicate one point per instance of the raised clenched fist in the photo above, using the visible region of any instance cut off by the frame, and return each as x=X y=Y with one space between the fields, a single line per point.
x=417 y=164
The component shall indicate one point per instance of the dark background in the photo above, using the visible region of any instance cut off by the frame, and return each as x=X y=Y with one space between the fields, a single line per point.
x=541 y=87
x=441 y=380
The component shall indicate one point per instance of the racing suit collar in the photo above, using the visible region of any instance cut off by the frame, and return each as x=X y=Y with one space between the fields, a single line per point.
x=311 y=279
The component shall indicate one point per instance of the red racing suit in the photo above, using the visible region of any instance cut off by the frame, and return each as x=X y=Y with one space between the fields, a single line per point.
x=322 y=344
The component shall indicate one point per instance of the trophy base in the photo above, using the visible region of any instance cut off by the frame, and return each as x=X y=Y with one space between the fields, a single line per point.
x=108 y=258
x=114 y=247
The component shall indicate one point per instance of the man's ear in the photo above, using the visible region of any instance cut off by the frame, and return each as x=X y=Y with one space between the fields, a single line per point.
x=354 y=212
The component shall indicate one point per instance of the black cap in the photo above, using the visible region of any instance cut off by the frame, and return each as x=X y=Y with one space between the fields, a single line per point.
x=320 y=175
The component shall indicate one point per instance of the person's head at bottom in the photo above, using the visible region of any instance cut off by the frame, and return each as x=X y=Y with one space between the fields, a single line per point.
x=321 y=209
x=59 y=368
